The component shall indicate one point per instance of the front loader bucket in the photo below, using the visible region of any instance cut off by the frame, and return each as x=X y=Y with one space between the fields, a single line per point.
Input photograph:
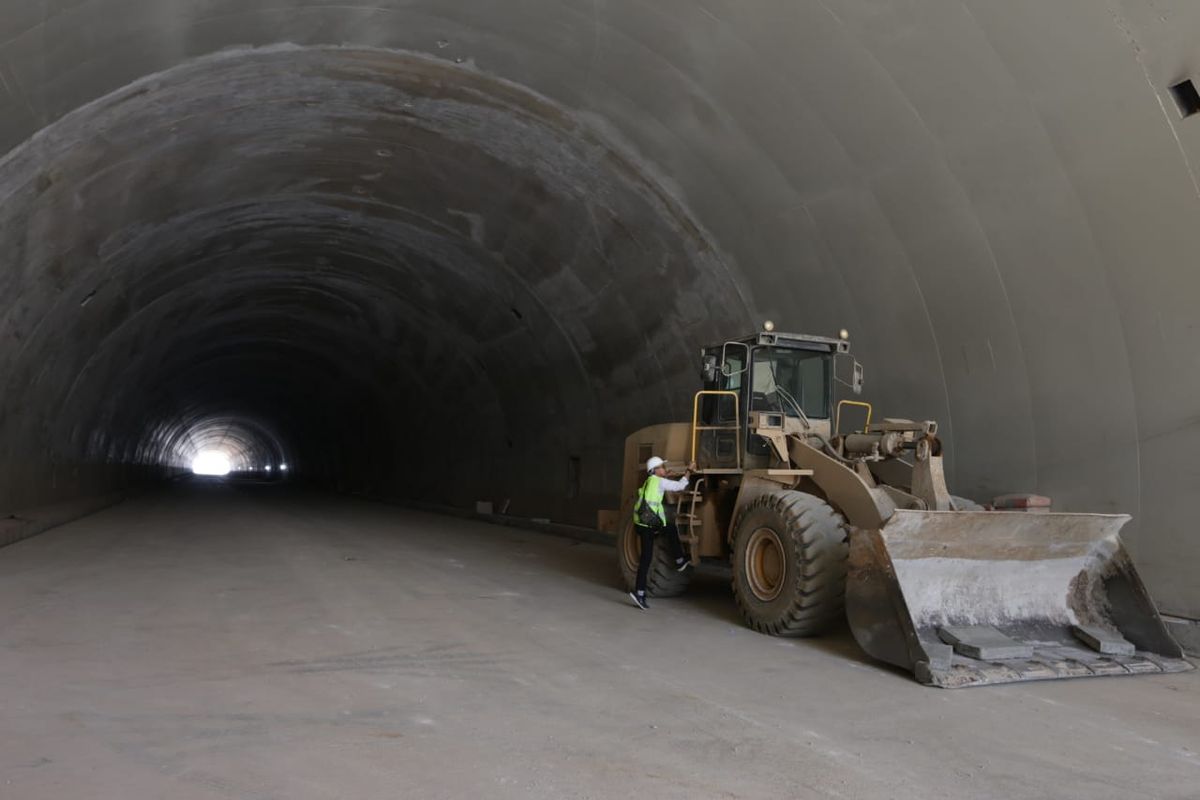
x=966 y=598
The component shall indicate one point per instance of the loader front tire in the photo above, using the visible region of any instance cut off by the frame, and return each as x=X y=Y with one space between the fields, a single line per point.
x=662 y=580
x=789 y=564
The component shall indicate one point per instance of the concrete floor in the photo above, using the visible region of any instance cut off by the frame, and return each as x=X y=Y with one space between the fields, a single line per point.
x=221 y=642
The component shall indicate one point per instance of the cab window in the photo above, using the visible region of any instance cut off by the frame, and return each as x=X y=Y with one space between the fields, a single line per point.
x=784 y=378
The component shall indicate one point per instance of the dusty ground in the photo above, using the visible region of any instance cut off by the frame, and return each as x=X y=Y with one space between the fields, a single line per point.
x=235 y=643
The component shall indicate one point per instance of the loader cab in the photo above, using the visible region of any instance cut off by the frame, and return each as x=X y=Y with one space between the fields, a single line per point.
x=770 y=378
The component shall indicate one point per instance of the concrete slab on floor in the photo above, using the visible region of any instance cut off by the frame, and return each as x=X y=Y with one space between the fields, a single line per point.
x=217 y=642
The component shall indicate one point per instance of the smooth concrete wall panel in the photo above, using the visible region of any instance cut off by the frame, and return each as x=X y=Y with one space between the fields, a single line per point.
x=1120 y=139
x=996 y=199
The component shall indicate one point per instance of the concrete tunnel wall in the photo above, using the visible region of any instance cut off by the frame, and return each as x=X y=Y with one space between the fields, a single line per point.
x=438 y=249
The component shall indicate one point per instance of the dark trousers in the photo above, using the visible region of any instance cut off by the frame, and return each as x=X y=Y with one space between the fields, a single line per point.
x=647 y=536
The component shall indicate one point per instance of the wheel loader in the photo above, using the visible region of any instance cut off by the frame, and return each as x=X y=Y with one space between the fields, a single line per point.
x=820 y=524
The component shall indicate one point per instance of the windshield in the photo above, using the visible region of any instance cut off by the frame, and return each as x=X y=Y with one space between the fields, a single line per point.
x=783 y=376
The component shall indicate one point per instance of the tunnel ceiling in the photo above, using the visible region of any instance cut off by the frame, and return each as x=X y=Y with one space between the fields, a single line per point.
x=447 y=236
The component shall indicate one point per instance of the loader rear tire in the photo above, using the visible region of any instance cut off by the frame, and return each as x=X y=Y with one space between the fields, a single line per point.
x=662 y=580
x=789 y=564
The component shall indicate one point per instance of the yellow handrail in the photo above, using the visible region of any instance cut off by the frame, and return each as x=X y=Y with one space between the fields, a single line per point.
x=736 y=427
x=837 y=424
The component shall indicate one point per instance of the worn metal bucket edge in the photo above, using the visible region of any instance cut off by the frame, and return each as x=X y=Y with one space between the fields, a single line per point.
x=1034 y=578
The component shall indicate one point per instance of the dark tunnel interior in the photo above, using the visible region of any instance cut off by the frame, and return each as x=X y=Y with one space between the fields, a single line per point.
x=402 y=277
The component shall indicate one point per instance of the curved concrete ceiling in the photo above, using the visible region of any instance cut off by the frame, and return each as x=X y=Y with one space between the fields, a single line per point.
x=440 y=248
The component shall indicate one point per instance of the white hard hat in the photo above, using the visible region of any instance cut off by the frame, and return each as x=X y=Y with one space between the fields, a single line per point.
x=654 y=463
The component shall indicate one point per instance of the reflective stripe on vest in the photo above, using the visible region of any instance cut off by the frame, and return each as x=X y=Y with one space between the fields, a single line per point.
x=651 y=494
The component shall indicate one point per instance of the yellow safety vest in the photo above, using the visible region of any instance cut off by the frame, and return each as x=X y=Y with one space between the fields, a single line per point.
x=651 y=494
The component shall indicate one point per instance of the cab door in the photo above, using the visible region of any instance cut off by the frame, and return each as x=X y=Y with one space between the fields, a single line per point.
x=722 y=419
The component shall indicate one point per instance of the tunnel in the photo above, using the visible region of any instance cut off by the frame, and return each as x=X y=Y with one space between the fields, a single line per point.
x=376 y=270
x=409 y=269
x=447 y=252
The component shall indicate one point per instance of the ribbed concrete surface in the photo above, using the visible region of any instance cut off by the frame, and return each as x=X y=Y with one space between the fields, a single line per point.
x=251 y=643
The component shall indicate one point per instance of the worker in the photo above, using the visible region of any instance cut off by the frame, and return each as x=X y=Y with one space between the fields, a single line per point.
x=653 y=521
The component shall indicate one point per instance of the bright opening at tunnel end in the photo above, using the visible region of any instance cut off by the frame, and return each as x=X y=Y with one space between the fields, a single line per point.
x=211 y=462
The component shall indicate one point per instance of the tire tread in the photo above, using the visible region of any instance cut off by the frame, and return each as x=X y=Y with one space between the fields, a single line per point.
x=819 y=538
x=662 y=580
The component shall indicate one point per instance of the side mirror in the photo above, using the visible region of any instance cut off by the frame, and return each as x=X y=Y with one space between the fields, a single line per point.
x=708 y=369
x=848 y=372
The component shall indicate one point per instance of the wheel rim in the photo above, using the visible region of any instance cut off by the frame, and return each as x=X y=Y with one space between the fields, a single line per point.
x=766 y=566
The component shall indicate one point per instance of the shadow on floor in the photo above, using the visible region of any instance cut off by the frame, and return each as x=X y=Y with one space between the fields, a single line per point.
x=709 y=592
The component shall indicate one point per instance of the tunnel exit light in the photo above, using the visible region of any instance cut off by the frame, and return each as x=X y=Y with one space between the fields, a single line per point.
x=211 y=462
